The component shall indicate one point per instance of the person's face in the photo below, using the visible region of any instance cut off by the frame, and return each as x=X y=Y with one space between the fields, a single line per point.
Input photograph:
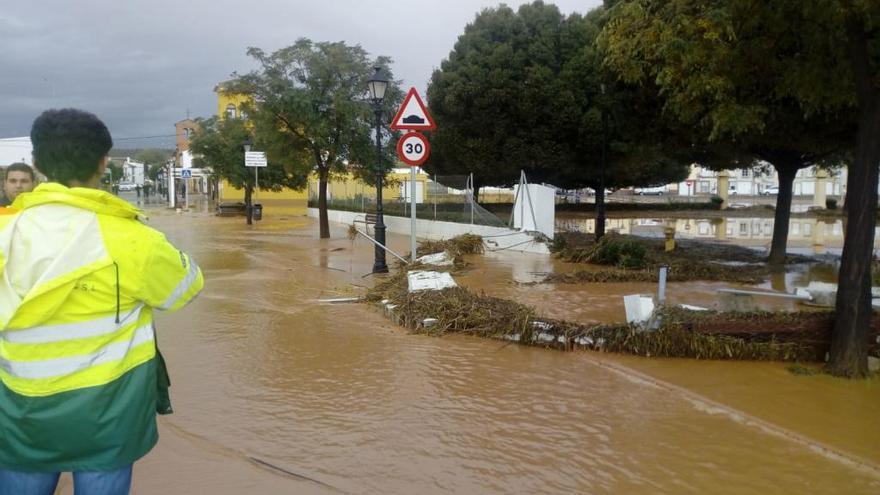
x=16 y=183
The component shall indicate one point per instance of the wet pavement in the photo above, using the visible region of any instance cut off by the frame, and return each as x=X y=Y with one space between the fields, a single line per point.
x=275 y=392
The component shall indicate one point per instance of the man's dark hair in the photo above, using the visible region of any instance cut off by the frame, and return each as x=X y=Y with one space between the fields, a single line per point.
x=69 y=144
x=20 y=167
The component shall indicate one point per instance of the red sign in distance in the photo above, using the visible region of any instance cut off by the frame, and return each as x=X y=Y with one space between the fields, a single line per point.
x=413 y=149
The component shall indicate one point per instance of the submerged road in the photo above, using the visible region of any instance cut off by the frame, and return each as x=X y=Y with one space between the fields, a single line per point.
x=275 y=392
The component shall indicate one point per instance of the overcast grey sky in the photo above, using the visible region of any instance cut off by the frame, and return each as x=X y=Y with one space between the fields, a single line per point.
x=140 y=65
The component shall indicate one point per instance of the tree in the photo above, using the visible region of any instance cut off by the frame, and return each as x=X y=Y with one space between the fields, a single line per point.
x=719 y=69
x=491 y=98
x=218 y=144
x=527 y=91
x=794 y=81
x=153 y=171
x=311 y=108
x=116 y=172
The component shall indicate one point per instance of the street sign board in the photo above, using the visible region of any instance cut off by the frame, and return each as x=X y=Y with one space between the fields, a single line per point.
x=413 y=149
x=255 y=159
x=413 y=115
x=186 y=173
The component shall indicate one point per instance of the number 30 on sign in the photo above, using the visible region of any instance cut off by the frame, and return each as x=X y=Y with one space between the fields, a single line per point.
x=413 y=149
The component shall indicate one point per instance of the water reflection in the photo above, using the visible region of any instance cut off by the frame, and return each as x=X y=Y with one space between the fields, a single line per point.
x=805 y=235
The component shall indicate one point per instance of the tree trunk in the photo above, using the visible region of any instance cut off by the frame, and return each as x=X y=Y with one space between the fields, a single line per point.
x=322 y=204
x=787 y=173
x=849 y=340
x=248 y=203
x=600 y=211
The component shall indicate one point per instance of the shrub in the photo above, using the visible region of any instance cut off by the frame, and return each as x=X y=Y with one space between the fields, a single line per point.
x=831 y=204
x=618 y=252
x=716 y=201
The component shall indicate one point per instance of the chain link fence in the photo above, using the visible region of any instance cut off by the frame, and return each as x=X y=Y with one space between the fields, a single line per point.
x=447 y=198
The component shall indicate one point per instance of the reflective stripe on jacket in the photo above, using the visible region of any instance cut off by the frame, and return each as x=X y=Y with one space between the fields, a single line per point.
x=80 y=276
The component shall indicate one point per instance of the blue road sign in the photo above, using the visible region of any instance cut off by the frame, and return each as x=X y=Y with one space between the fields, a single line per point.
x=186 y=174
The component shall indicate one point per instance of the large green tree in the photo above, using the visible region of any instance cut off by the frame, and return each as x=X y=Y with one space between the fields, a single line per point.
x=526 y=90
x=218 y=145
x=312 y=107
x=795 y=82
x=719 y=67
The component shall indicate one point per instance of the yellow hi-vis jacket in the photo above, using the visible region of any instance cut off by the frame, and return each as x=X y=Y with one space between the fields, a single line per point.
x=80 y=276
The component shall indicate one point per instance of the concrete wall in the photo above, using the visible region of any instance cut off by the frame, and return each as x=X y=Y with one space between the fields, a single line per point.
x=496 y=238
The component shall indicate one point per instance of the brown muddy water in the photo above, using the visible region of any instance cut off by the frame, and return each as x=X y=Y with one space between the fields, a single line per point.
x=806 y=235
x=339 y=400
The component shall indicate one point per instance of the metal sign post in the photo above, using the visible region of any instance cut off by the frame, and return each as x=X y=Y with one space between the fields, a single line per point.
x=413 y=149
x=412 y=221
x=255 y=159
x=186 y=174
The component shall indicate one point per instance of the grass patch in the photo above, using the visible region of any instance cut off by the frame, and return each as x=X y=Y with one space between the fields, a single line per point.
x=638 y=259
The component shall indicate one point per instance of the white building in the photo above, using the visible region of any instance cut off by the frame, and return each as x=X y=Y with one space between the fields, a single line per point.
x=133 y=172
x=755 y=181
x=14 y=150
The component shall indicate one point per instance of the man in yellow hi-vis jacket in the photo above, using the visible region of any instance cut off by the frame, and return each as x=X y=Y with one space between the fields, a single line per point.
x=80 y=276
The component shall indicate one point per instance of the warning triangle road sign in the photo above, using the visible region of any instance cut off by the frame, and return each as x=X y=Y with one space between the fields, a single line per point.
x=413 y=115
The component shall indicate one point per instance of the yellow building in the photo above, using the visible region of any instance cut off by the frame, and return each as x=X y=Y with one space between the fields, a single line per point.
x=349 y=189
x=232 y=105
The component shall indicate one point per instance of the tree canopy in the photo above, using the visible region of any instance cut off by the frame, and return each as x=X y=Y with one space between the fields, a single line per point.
x=792 y=82
x=311 y=110
x=729 y=72
x=523 y=91
x=218 y=144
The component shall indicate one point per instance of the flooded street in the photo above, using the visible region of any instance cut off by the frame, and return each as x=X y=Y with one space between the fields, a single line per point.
x=275 y=392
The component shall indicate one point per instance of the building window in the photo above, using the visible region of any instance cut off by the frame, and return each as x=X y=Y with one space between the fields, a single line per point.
x=230 y=111
x=744 y=228
x=704 y=186
x=745 y=172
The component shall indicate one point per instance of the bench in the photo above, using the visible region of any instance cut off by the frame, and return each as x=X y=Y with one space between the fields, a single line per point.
x=231 y=209
x=369 y=219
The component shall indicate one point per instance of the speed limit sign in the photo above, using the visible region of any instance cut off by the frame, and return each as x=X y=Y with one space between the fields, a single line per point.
x=413 y=149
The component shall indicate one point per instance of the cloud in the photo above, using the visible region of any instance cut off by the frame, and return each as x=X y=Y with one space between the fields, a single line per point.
x=143 y=65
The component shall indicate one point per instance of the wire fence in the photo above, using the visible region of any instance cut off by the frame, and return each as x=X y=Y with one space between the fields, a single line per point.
x=447 y=198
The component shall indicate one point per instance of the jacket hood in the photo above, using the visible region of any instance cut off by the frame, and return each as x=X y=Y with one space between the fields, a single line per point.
x=81 y=197
x=44 y=250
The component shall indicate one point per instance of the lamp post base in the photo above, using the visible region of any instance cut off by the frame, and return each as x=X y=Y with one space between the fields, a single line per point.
x=379 y=265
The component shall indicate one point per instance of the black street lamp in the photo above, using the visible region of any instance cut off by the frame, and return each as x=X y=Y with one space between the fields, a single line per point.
x=377 y=86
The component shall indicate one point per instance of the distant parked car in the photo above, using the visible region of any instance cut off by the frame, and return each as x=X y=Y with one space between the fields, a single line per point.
x=657 y=191
x=126 y=186
x=771 y=190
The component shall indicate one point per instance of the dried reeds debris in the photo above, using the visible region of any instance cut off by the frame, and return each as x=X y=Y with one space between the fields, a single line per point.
x=459 y=310
x=455 y=247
